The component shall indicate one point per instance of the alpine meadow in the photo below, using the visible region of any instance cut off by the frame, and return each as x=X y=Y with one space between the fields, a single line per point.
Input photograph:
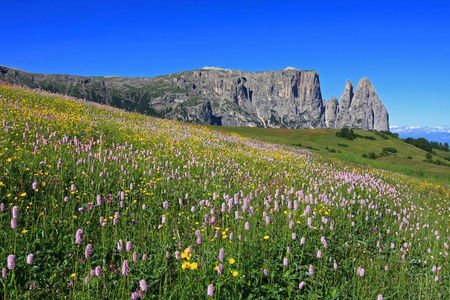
x=100 y=203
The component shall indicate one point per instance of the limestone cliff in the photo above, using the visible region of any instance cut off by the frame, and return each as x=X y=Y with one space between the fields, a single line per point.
x=288 y=98
x=362 y=109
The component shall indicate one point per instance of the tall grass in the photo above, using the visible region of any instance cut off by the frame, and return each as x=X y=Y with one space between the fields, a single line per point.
x=115 y=205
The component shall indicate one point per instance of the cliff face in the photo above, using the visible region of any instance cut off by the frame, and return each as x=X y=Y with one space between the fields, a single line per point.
x=288 y=98
x=362 y=109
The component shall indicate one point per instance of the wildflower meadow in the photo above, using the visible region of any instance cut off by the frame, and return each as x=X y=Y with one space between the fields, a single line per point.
x=99 y=203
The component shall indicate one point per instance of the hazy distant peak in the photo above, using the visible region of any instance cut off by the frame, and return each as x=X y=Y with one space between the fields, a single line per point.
x=291 y=68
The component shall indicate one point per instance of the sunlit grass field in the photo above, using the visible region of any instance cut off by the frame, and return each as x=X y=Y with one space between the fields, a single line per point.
x=98 y=203
x=408 y=159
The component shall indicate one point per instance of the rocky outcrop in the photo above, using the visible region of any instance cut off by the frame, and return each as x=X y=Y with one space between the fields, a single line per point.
x=362 y=109
x=331 y=110
x=343 y=117
x=287 y=98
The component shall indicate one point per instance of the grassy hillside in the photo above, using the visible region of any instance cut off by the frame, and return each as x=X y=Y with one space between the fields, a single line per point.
x=442 y=154
x=408 y=159
x=97 y=203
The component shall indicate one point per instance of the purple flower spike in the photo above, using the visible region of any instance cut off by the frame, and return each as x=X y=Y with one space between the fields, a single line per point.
x=128 y=246
x=125 y=268
x=30 y=258
x=143 y=285
x=361 y=272
x=88 y=251
x=79 y=237
x=15 y=212
x=11 y=262
x=210 y=292
x=301 y=285
x=13 y=223
x=199 y=237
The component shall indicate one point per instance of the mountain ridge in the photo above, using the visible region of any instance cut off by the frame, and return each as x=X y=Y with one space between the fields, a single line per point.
x=288 y=98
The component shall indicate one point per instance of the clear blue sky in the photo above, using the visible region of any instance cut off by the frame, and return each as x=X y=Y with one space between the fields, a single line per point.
x=403 y=47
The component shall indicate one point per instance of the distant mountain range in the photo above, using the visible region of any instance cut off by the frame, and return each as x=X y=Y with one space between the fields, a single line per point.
x=287 y=98
x=432 y=133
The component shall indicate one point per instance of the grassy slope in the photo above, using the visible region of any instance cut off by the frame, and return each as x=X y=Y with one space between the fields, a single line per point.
x=441 y=154
x=70 y=167
x=320 y=139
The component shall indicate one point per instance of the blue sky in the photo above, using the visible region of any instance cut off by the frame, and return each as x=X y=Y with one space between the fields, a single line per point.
x=403 y=47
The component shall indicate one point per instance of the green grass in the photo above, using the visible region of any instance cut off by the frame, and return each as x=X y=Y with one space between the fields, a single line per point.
x=321 y=139
x=158 y=201
x=442 y=154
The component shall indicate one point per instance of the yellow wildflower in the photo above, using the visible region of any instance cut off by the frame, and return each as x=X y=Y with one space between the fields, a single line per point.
x=185 y=265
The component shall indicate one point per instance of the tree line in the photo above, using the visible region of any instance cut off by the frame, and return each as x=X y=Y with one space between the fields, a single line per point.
x=426 y=145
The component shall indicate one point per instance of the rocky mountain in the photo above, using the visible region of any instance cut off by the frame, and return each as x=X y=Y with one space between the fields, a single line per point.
x=287 y=98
